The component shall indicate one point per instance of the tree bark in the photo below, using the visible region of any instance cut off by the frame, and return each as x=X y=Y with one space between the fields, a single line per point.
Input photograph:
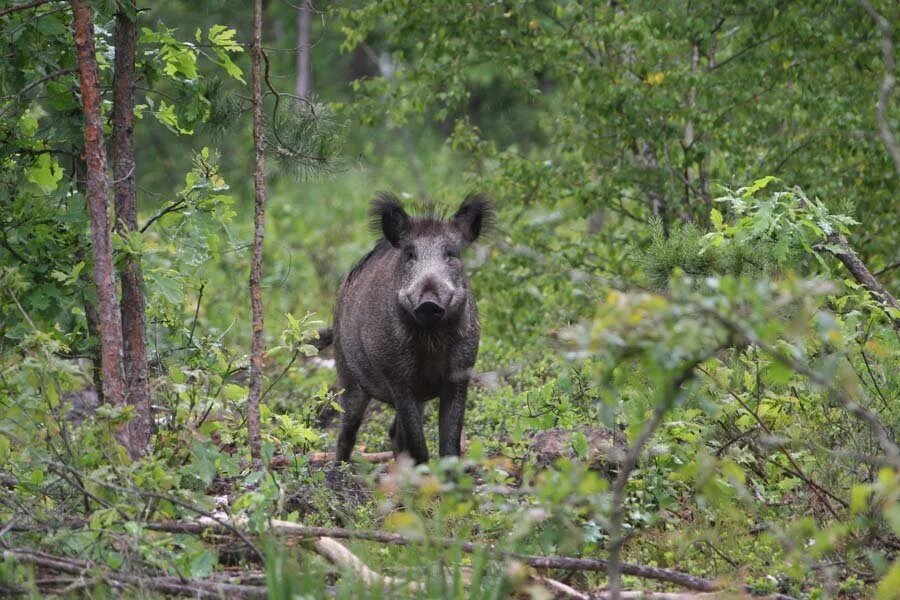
x=259 y=220
x=97 y=191
x=303 y=86
x=133 y=316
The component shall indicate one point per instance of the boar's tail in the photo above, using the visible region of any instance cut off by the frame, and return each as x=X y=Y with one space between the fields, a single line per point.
x=326 y=338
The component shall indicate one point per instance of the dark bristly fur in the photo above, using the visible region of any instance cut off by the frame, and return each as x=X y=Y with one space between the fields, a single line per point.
x=406 y=326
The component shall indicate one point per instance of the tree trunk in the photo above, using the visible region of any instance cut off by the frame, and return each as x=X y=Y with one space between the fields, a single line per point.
x=97 y=190
x=303 y=86
x=133 y=317
x=259 y=219
x=687 y=140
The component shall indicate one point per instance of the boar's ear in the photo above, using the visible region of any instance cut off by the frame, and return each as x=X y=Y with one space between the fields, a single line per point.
x=389 y=218
x=475 y=215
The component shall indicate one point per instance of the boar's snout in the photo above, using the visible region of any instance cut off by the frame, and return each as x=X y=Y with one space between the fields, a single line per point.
x=429 y=300
x=429 y=313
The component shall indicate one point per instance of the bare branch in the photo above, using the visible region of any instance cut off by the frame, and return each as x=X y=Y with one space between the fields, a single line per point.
x=861 y=273
x=887 y=84
x=175 y=206
x=43 y=79
x=26 y=6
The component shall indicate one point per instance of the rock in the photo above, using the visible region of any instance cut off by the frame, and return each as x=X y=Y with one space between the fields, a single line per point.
x=605 y=447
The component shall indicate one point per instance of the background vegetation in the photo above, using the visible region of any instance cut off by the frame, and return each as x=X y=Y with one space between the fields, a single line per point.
x=691 y=283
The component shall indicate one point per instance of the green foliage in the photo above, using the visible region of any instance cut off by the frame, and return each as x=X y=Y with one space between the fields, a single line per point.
x=616 y=287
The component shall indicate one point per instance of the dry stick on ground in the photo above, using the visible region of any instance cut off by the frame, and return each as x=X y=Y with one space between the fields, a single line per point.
x=558 y=587
x=134 y=327
x=280 y=462
x=259 y=215
x=97 y=191
x=539 y=562
x=339 y=555
x=197 y=588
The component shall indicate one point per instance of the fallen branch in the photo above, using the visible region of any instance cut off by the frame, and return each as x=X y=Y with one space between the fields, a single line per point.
x=686 y=580
x=194 y=587
x=641 y=595
x=339 y=555
x=861 y=273
x=558 y=587
x=280 y=462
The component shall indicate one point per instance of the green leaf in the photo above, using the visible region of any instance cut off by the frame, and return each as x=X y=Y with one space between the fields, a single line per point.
x=234 y=392
x=202 y=564
x=889 y=587
x=45 y=173
x=756 y=186
x=715 y=217
x=579 y=443
x=859 y=496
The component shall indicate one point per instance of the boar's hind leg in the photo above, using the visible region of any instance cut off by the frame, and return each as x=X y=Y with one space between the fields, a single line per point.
x=354 y=402
x=450 y=418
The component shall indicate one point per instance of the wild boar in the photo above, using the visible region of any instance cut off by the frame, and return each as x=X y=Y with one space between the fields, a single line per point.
x=406 y=327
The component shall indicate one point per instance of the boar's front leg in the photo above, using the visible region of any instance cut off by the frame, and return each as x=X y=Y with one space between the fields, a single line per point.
x=354 y=402
x=450 y=418
x=408 y=426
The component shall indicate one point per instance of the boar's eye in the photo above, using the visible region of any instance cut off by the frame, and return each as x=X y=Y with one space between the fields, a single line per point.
x=451 y=254
x=409 y=253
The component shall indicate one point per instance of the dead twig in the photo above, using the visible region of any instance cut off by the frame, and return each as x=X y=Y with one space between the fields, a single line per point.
x=194 y=587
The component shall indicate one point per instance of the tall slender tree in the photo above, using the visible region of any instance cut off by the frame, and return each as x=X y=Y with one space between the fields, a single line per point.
x=259 y=225
x=132 y=305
